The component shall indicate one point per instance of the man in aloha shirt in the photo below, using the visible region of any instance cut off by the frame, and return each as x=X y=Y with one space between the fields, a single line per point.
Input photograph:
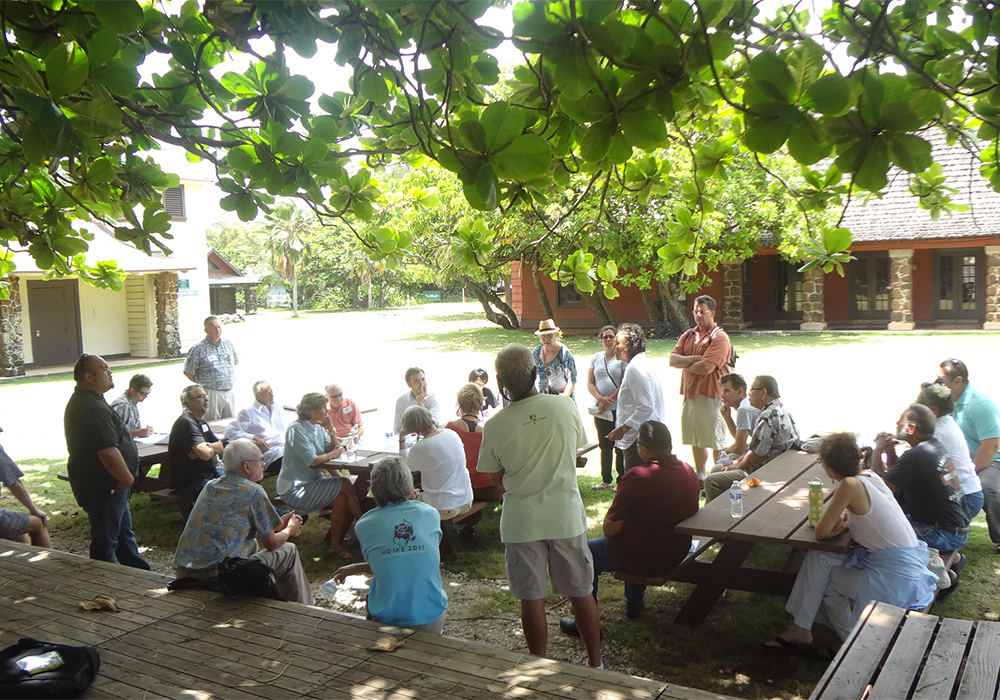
x=228 y=518
x=774 y=433
x=212 y=363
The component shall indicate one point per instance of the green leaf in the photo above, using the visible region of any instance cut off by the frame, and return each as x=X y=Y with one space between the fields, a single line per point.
x=241 y=158
x=315 y=150
x=362 y=208
x=474 y=134
x=871 y=175
x=805 y=144
x=297 y=87
x=124 y=16
x=644 y=129
x=772 y=76
x=597 y=140
x=102 y=47
x=836 y=240
x=831 y=94
x=31 y=77
x=765 y=134
x=909 y=152
x=66 y=69
x=572 y=74
x=324 y=127
x=101 y=170
x=526 y=158
x=501 y=124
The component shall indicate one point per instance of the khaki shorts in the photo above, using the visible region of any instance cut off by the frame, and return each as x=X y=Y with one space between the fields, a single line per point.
x=569 y=563
x=702 y=424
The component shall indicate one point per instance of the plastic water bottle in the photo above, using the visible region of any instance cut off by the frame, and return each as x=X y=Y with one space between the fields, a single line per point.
x=736 y=500
x=350 y=449
x=329 y=589
x=391 y=443
x=723 y=460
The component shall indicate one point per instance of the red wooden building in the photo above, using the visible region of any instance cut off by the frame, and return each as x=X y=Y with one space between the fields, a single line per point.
x=910 y=272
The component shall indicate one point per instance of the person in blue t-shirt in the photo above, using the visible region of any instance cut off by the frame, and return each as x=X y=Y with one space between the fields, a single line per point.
x=400 y=540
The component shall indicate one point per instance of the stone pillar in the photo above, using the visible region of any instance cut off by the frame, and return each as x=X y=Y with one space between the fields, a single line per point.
x=732 y=296
x=992 y=296
x=168 y=336
x=901 y=317
x=813 y=311
x=11 y=333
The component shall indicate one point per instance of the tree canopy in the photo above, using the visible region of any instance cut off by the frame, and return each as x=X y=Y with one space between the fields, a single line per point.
x=603 y=87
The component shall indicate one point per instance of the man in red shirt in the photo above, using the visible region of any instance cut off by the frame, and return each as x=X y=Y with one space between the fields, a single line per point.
x=702 y=354
x=639 y=533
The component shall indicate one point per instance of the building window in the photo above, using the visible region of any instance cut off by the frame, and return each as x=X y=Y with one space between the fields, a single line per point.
x=957 y=284
x=173 y=203
x=567 y=296
x=870 y=282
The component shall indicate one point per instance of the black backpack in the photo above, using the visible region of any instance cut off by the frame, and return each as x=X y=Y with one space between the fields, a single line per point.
x=239 y=576
x=75 y=674
x=711 y=336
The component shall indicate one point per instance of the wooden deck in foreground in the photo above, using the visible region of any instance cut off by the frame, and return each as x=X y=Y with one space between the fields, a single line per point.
x=200 y=645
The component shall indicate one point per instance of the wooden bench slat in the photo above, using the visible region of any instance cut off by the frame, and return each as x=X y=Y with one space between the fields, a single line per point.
x=979 y=679
x=861 y=654
x=940 y=673
x=900 y=669
x=660 y=579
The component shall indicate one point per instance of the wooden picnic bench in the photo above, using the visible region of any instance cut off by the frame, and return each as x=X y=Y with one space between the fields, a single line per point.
x=896 y=654
x=199 y=644
x=775 y=512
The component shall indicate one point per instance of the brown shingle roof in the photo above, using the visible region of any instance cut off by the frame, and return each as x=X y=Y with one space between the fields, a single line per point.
x=897 y=216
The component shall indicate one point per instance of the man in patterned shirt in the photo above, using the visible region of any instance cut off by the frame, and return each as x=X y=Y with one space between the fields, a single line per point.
x=16 y=525
x=127 y=405
x=212 y=363
x=774 y=432
x=230 y=515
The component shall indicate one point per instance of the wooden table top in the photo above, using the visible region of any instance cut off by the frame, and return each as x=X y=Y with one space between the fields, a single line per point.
x=197 y=644
x=775 y=512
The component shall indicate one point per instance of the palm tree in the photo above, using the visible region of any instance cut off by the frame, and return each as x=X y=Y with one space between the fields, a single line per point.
x=285 y=246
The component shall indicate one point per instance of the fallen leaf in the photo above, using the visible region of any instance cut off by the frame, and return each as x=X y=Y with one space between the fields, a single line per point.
x=101 y=602
x=388 y=646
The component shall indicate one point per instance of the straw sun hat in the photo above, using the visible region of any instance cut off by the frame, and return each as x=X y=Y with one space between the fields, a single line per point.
x=547 y=326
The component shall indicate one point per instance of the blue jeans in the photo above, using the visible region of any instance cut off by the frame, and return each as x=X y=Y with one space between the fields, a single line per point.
x=604 y=560
x=973 y=504
x=111 y=536
x=941 y=540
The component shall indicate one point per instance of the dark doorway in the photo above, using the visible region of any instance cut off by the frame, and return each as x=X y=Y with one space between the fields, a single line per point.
x=786 y=290
x=54 y=310
x=869 y=280
x=957 y=284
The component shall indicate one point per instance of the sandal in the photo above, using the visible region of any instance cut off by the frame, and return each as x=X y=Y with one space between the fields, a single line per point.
x=342 y=553
x=789 y=648
x=603 y=486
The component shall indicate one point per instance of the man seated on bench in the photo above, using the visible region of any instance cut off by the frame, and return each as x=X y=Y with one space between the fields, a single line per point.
x=229 y=512
x=734 y=396
x=18 y=526
x=924 y=480
x=345 y=416
x=639 y=533
x=264 y=423
x=774 y=432
x=193 y=448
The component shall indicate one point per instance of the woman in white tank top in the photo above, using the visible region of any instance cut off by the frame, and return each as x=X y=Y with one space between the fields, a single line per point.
x=890 y=566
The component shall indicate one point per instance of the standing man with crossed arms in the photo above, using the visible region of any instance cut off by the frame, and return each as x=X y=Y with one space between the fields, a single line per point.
x=702 y=353
x=212 y=363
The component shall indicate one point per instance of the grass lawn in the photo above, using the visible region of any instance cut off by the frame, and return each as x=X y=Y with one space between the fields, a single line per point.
x=829 y=381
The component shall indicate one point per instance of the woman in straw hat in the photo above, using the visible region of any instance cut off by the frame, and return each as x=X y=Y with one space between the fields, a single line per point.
x=554 y=362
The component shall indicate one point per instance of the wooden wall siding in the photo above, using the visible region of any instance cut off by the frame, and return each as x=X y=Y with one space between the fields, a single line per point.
x=923 y=287
x=835 y=297
x=141 y=317
x=103 y=321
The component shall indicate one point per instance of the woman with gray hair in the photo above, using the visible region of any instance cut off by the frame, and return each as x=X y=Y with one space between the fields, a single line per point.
x=399 y=540
x=308 y=448
x=440 y=458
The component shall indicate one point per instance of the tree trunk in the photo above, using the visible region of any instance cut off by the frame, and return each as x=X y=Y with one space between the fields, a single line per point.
x=598 y=308
x=674 y=321
x=295 y=294
x=489 y=299
x=654 y=313
x=355 y=301
x=381 y=296
x=540 y=291
x=508 y=289
x=606 y=305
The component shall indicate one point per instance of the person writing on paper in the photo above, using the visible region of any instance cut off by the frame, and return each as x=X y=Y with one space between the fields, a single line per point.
x=308 y=447
x=889 y=566
x=127 y=405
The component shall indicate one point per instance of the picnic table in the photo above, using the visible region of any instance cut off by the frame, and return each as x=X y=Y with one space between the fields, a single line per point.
x=198 y=644
x=776 y=513
x=898 y=654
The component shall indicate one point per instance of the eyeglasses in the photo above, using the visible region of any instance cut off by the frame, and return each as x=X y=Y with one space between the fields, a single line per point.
x=200 y=396
x=144 y=394
x=334 y=397
x=756 y=388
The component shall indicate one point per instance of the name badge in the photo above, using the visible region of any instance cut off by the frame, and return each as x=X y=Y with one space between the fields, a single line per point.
x=347 y=409
x=212 y=358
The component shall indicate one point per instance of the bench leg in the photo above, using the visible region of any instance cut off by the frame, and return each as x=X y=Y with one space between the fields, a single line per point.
x=724 y=568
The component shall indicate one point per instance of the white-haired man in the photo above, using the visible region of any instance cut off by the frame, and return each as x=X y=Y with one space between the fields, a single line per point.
x=529 y=448
x=264 y=423
x=344 y=414
x=236 y=503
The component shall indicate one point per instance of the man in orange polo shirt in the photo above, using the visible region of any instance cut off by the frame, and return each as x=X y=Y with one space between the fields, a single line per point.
x=702 y=354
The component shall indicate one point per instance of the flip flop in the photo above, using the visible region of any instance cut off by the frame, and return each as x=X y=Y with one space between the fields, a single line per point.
x=957 y=568
x=784 y=646
x=343 y=554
